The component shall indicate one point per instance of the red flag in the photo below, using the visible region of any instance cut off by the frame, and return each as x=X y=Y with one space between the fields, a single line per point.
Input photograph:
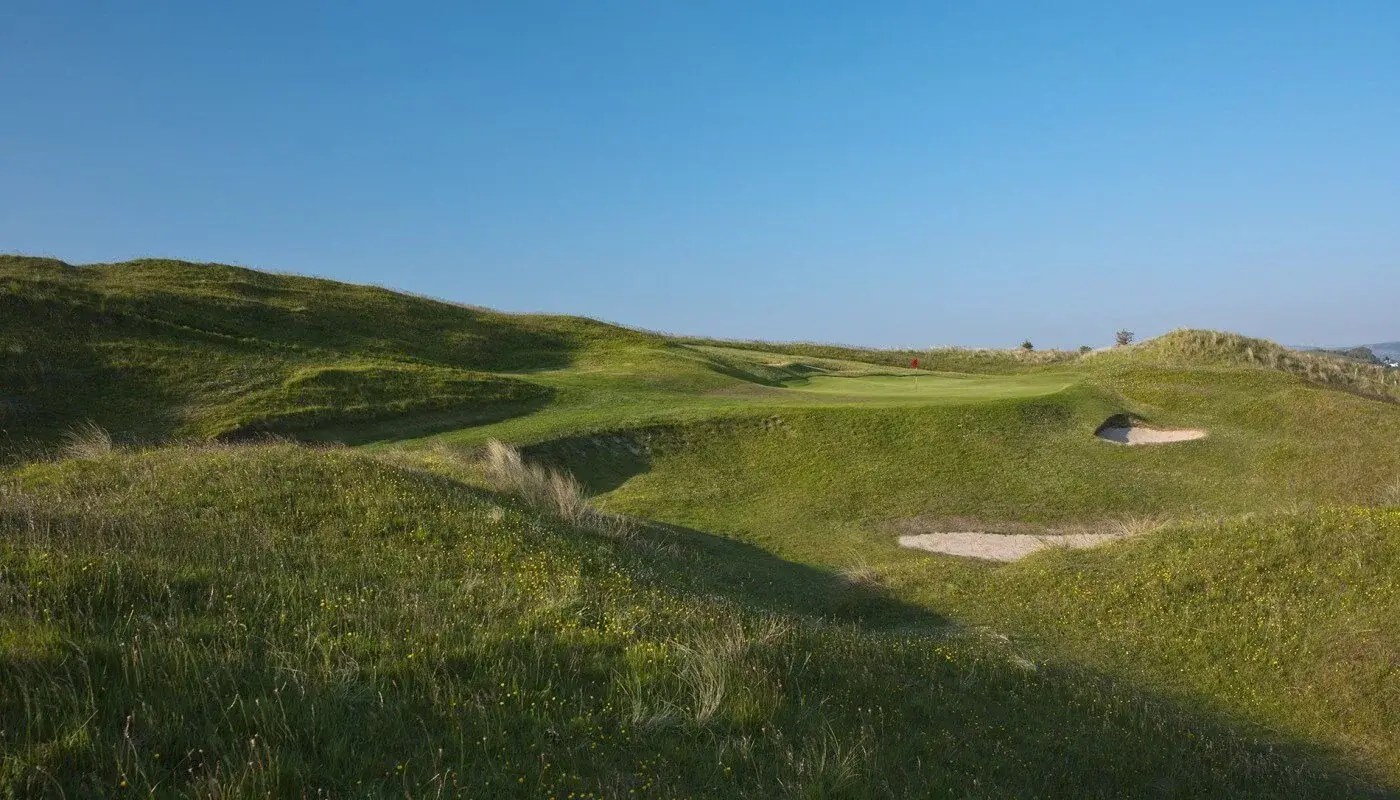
x=914 y=363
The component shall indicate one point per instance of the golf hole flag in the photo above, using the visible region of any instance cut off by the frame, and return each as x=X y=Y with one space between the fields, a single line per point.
x=914 y=363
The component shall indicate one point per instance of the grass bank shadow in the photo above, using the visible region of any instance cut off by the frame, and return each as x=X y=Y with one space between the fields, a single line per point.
x=600 y=461
x=847 y=706
x=691 y=561
x=1233 y=754
x=413 y=426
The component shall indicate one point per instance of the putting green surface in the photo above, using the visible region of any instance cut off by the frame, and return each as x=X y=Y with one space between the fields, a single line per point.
x=933 y=387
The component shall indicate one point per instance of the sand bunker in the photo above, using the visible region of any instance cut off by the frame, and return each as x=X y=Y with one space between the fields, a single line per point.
x=1002 y=546
x=1137 y=434
x=1126 y=429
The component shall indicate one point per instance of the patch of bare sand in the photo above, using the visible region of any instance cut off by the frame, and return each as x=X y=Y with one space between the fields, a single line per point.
x=1001 y=546
x=1011 y=541
x=1139 y=434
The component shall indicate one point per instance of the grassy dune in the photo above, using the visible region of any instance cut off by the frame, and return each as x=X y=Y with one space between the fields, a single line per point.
x=827 y=487
x=1213 y=348
x=373 y=628
x=1287 y=619
x=192 y=617
x=154 y=350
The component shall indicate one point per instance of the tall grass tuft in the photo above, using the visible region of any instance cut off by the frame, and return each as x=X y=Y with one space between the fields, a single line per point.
x=556 y=493
x=85 y=441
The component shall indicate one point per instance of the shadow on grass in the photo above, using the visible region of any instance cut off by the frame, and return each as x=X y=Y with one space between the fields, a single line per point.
x=600 y=461
x=686 y=560
x=847 y=710
x=413 y=426
x=1075 y=722
x=1061 y=730
x=840 y=703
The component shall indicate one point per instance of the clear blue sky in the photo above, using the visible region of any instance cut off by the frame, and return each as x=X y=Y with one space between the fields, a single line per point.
x=907 y=174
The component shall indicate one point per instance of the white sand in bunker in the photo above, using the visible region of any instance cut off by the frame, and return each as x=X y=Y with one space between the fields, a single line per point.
x=1001 y=546
x=1138 y=434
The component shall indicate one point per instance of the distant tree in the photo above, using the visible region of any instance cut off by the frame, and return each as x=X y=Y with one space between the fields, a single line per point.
x=1084 y=348
x=1123 y=337
x=1027 y=346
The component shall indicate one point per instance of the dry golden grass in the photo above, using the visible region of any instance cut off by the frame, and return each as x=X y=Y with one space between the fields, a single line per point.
x=86 y=441
x=1197 y=346
x=556 y=493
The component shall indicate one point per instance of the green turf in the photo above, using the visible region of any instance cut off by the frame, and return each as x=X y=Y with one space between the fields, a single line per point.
x=934 y=388
x=380 y=630
x=155 y=350
x=1245 y=647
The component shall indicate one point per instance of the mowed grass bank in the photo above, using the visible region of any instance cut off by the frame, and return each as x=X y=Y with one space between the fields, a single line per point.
x=241 y=621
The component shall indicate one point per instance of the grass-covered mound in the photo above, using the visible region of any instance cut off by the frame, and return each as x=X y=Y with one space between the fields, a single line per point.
x=315 y=397
x=1197 y=348
x=1286 y=619
x=269 y=619
x=242 y=621
x=151 y=350
x=297 y=312
x=1249 y=616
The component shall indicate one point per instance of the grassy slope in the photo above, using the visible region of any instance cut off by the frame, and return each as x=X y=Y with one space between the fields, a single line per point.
x=1231 y=351
x=376 y=629
x=1288 y=619
x=772 y=449
x=822 y=487
x=154 y=349
x=948 y=359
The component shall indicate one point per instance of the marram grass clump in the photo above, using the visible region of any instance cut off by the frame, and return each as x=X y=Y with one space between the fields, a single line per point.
x=1216 y=347
x=548 y=490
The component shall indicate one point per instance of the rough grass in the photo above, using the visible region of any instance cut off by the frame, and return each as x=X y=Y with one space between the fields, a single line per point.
x=824 y=486
x=321 y=396
x=254 y=621
x=155 y=350
x=947 y=359
x=1390 y=496
x=87 y=440
x=1284 y=618
x=1196 y=347
x=548 y=490
x=276 y=620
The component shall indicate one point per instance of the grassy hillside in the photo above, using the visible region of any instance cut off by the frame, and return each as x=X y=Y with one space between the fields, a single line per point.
x=382 y=622
x=1199 y=348
x=948 y=359
x=255 y=620
x=831 y=487
x=1288 y=619
x=158 y=349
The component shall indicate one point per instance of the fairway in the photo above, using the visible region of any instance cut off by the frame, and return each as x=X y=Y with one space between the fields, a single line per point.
x=933 y=388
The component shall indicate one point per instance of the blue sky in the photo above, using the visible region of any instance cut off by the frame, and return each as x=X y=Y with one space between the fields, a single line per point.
x=889 y=174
